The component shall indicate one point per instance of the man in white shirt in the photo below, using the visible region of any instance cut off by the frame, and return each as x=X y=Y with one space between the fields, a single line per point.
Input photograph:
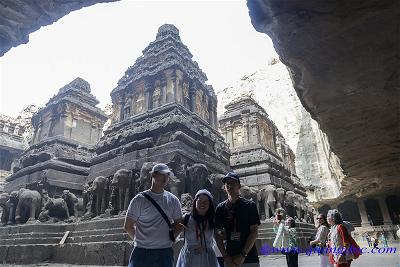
x=147 y=227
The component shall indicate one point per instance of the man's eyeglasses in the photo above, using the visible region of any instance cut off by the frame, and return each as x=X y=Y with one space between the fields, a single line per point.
x=319 y=218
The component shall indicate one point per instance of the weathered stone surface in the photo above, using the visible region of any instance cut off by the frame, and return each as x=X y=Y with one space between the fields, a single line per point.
x=20 y=18
x=344 y=61
x=316 y=165
x=65 y=132
x=163 y=111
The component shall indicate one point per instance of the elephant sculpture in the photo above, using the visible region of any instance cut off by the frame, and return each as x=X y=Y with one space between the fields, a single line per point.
x=289 y=201
x=249 y=193
x=125 y=183
x=4 y=197
x=72 y=202
x=29 y=205
x=280 y=195
x=145 y=176
x=267 y=196
x=8 y=204
x=197 y=178
x=53 y=208
x=86 y=197
x=99 y=200
x=217 y=187
x=297 y=205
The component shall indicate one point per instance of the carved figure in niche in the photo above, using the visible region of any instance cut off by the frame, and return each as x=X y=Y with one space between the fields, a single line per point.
x=185 y=92
x=217 y=189
x=145 y=176
x=124 y=180
x=205 y=114
x=199 y=103
x=99 y=190
x=29 y=205
x=237 y=133
x=140 y=103
x=72 y=203
x=187 y=202
x=280 y=193
x=267 y=195
x=53 y=208
x=157 y=96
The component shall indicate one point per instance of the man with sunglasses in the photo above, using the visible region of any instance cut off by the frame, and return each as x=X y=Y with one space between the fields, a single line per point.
x=237 y=221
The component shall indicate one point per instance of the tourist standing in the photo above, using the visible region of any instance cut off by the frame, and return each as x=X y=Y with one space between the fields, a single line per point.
x=197 y=250
x=237 y=220
x=281 y=240
x=320 y=240
x=340 y=240
x=368 y=238
x=152 y=231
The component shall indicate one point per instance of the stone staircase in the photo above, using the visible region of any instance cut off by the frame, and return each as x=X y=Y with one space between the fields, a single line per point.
x=95 y=242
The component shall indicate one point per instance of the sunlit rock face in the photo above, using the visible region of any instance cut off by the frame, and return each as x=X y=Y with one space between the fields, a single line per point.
x=316 y=165
x=20 y=18
x=343 y=57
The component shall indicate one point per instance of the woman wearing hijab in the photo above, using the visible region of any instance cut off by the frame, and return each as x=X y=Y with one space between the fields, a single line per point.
x=198 y=247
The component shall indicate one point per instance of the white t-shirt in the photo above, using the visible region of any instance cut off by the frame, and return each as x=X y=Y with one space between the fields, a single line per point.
x=152 y=231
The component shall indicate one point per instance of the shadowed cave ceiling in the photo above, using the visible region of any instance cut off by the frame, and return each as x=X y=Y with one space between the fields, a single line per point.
x=343 y=57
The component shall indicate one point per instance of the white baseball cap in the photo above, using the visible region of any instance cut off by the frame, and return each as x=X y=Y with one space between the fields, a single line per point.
x=162 y=168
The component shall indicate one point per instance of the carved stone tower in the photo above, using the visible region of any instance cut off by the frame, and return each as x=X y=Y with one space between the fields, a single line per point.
x=65 y=132
x=164 y=112
x=261 y=156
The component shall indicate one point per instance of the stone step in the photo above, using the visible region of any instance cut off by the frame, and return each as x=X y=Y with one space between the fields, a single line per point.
x=24 y=241
x=31 y=235
x=98 y=238
x=91 y=253
x=33 y=227
x=97 y=232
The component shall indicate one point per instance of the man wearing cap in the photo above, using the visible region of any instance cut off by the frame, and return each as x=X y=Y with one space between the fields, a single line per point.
x=237 y=221
x=147 y=227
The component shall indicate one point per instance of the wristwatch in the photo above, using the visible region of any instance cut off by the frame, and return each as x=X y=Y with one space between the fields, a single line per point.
x=243 y=253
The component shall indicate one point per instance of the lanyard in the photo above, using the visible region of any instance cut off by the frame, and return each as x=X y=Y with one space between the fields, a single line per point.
x=231 y=215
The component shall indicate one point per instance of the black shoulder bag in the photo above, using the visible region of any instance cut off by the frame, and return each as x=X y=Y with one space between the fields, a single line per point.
x=171 y=232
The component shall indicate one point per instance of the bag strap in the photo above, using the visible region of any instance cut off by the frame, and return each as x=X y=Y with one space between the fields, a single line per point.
x=186 y=219
x=185 y=222
x=158 y=208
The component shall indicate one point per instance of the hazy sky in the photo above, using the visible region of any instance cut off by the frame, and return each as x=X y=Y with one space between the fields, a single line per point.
x=100 y=42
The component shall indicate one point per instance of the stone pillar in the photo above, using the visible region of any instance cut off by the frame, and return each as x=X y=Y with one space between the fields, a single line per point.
x=147 y=95
x=121 y=109
x=363 y=213
x=211 y=115
x=192 y=94
x=384 y=210
x=229 y=136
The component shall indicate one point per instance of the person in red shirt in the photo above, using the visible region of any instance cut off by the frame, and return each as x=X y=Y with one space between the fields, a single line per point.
x=342 y=247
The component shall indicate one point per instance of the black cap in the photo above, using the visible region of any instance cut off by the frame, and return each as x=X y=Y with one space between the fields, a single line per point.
x=231 y=175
